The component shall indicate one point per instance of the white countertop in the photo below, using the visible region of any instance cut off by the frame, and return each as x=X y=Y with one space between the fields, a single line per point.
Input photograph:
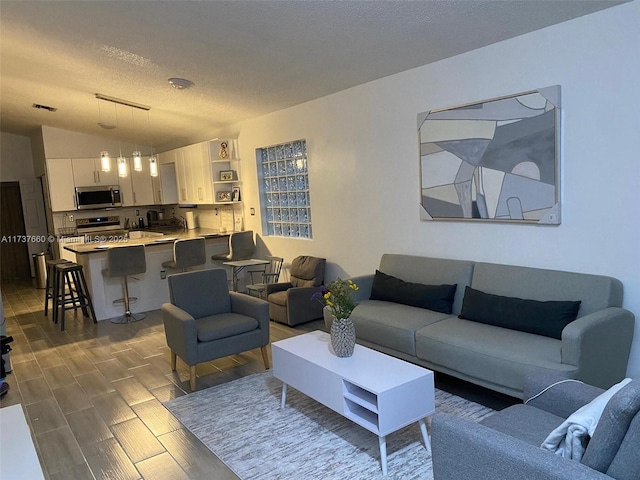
x=148 y=239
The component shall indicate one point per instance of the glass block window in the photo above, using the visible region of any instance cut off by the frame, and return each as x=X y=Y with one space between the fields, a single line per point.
x=284 y=190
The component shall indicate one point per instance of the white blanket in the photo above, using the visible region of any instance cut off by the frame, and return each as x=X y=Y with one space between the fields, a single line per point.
x=570 y=439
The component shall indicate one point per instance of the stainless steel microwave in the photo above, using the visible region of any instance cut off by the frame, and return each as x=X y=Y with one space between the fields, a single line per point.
x=102 y=196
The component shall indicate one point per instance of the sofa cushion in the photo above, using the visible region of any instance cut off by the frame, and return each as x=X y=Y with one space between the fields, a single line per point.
x=392 y=325
x=499 y=358
x=532 y=316
x=391 y=289
x=224 y=325
x=612 y=429
x=527 y=423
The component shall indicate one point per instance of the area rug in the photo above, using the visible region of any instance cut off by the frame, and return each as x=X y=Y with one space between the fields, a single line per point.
x=242 y=423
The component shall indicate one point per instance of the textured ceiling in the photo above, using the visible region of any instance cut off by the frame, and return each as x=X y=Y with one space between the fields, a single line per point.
x=246 y=58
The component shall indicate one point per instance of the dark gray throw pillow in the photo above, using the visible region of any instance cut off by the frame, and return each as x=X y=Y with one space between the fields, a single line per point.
x=438 y=298
x=532 y=316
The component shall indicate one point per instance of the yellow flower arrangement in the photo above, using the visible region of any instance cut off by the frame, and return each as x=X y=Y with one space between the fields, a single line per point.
x=337 y=296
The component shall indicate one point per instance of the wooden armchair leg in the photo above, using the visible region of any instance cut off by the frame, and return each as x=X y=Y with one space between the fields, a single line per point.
x=173 y=361
x=192 y=378
x=265 y=357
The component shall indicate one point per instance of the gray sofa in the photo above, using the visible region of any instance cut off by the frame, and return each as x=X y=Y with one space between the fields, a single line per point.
x=506 y=445
x=594 y=348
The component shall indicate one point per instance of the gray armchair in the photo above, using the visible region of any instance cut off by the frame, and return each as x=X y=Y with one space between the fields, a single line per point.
x=204 y=321
x=290 y=302
x=506 y=445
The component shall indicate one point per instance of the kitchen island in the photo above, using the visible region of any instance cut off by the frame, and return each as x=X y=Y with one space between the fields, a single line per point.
x=151 y=287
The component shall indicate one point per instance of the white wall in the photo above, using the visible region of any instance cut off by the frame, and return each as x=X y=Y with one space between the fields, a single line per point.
x=15 y=157
x=363 y=157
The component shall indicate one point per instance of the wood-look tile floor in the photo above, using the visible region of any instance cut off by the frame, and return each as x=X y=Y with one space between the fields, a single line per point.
x=93 y=394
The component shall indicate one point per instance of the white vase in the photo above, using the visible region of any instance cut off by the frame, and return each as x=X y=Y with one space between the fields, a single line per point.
x=343 y=337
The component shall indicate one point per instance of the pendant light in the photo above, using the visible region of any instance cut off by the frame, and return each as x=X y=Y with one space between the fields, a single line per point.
x=153 y=161
x=105 y=160
x=137 y=157
x=121 y=161
x=122 y=166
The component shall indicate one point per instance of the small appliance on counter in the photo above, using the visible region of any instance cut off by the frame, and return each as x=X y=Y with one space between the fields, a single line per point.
x=141 y=222
x=191 y=220
x=152 y=216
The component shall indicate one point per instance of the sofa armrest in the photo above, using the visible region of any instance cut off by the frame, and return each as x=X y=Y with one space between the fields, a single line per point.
x=278 y=287
x=180 y=332
x=556 y=394
x=464 y=450
x=253 y=307
x=599 y=345
x=301 y=307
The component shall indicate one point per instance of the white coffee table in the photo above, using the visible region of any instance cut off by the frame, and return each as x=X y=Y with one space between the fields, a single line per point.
x=378 y=392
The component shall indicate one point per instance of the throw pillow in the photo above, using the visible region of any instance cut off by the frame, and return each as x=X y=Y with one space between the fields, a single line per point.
x=532 y=316
x=438 y=298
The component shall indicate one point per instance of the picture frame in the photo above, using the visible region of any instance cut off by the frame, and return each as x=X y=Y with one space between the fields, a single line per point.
x=223 y=196
x=227 y=175
x=235 y=194
x=496 y=160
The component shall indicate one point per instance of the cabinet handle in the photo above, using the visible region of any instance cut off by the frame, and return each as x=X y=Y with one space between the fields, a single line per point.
x=159 y=196
x=98 y=175
x=134 y=198
x=94 y=177
x=199 y=193
x=183 y=193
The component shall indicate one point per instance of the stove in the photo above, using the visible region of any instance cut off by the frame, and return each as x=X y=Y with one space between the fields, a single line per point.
x=101 y=229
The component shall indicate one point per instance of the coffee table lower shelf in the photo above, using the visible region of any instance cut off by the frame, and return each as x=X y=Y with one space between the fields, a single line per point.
x=376 y=391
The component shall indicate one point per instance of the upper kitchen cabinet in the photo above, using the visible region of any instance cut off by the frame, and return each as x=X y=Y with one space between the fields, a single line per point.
x=87 y=172
x=61 y=187
x=165 y=185
x=137 y=187
x=193 y=174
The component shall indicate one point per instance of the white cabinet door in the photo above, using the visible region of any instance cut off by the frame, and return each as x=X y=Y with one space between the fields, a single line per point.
x=202 y=180
x=106 y=178
x=87 y=172
x=165 y=185
x=84 y=172
x=61 y=187
x=142 y=184
x=126 y=190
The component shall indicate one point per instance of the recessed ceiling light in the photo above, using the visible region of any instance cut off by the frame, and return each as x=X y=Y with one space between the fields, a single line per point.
x=180 y=83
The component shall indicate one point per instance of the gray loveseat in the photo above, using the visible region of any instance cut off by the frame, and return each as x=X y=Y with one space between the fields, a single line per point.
x=594 y=348
x=506 y=445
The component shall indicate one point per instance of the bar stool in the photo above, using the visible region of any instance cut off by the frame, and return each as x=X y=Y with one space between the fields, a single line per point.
x=241 y=247
x=123 y=262
x=70 y=277
x=50 y=284
x=189 y=252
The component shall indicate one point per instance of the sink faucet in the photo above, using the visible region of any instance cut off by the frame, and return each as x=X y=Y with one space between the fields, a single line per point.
x=184 y=222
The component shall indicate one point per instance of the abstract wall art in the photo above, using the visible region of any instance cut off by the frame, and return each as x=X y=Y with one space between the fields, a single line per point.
x=495 y=160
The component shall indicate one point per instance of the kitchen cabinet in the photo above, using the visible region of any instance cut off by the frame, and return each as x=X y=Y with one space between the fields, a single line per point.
x=136 y=189
x=193 y=174
x=61 y=187
x=165 y=185
x=88 y=172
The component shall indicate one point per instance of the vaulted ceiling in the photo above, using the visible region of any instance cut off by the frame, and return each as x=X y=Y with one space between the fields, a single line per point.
x=245 y=58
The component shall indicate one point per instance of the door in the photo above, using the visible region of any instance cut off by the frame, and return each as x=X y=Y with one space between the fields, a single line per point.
x=14 y=254
x=35 y=223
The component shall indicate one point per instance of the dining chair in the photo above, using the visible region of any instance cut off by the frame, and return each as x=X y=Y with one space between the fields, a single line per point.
x=270 y=274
